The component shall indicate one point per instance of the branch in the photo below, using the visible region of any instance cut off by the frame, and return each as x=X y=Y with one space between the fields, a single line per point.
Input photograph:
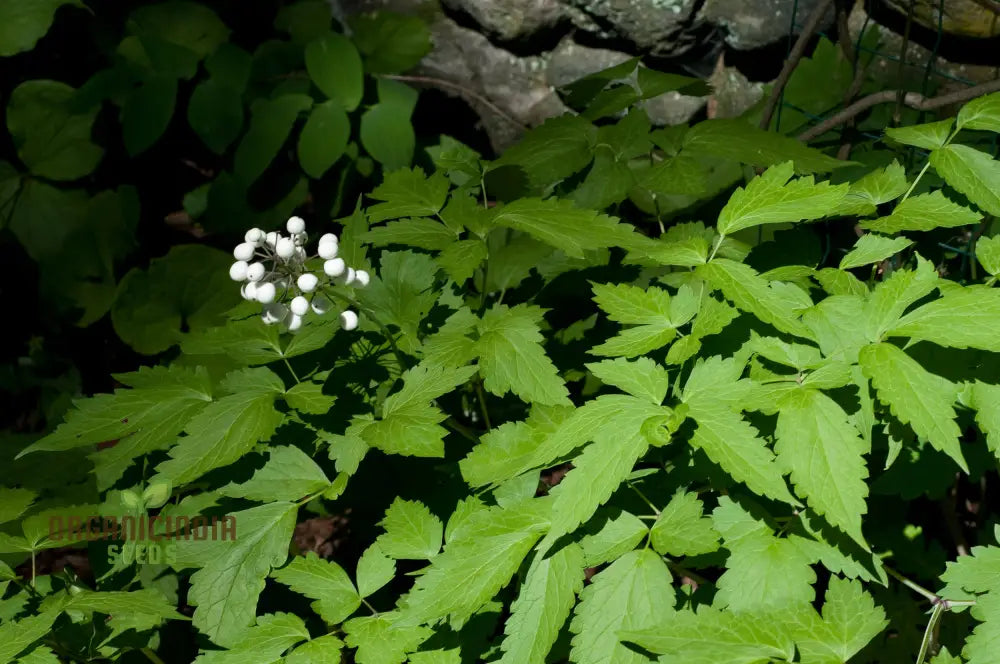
x=912 y=99
x=812 y=23
x=442 y=83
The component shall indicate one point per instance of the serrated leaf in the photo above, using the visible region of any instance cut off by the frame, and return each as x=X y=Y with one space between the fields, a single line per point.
x=763 y=572
x=17 y=635
x=824 y=453
x=981 y=113
x=711 y=636
x=308 y=397
x=419 y=232
x=411 y=531
x=334 y=65
x=642 y=378
x=617 y=536
x=923 y=213
x=552 y=151
x=562 y=225
x=401 y=294
x=263 y=643
x=608 y=181
x=681 y=529
x=485 y=552
x=14 y=502
x=543 y=603
x=752 y=293
x=971 y=172
x=965 y=317
x=147 y=601
x=648 y=310
x=375 y=569
x=226 y=429
x=771 y=199
x=408 y=193
x=633 y=593
x=872 y=248
x=850 y=620
x=878 y=187
x=325 y=649
x=324 y=581
x=917 y=397
x=988 y=253
x=929 y=136
x=891 y=298
x=381 y=640
x=460 y=259
x=231 y=578
x=512 y=359
x=289 y=474
x=736 y=139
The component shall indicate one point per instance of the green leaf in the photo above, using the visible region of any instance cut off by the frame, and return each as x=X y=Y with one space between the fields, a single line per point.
x=988 y=253
x=421 y=232
x=752 y=293
x=273 y=634
x=231 y=578
x=391 y=43
x=642 y=378
x=17 y=635
x=408 y=193
x=386 y=131
x=977 y=574
x=850 y=620
x=971 y=172
x=929 y=136
x=872 y=248
x=543 y=603
x=271 y=123
x=878 y=187
x=484 y=552
x=512 y=359
x=965 y=317
x=381 y=640
x=771 y=199
x=288 y=475
x=188 y=24
x=982 y=113
x=891 y=298
x=824 y=453
x=52 y=141
x=649 y=310
x=616 y=537
x=215 y=113
x=552 y=151
x=325 y=649
x=633 y=593
x=409 y=424
x=14 y=502
x=562 y=225
x=148 y=602
x=23 y=24
x=375 y=569
x=460 y=259
x=147 y=112
x=188 y=289
x=608 y=181
x=324 y=138
x=226 y=429
x=334 y=65
x=681 y=529
x=324 y=581
x=411 y=531
x=402 y=294
x=915 y=396
x=763 y=572
x=304 y=20
x=923 y=213
x=738 y=140
x=308 y=397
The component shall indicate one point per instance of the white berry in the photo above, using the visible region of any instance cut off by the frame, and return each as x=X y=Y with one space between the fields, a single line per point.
x=295 y=225
x=300 y=239
x=244 y=251
x=255 y=272
x=307 y=282
x=274 y=313
x=361 y=278
x=321 y=304
x=348 y=278
x=266 y=293
x=254 y=236
x=334 y=267
x=271 y=238
x=328 y=251
x=326 y=238
x=285 y=248
x=249 y=291
x=238 y=270
x=348 y=320
x=299 y=305
x=294 y=323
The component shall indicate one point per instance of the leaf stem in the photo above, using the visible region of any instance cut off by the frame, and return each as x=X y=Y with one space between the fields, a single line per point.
x=403 y=364
x=482 y=403
x=152 y=656
x=291 y=370
x=645 y=499
x=925 y=644
x=914 y=185
x=715 y=248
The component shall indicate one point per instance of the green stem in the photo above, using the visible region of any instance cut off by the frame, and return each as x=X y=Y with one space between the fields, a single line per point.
x=370 y=607
x=925 y=645
x=152 y=656
x=646 y=500
x=403 y=364
x=482 y=403
x=715 y=248
x=291 y=370
x=914 y=185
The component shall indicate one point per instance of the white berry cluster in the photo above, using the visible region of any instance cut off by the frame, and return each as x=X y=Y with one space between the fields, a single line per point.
x=273 y=267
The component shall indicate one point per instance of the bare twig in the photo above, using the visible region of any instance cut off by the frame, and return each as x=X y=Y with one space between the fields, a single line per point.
x=451 y=85
x=901 y=93
x=812 y=23
x=911 y=99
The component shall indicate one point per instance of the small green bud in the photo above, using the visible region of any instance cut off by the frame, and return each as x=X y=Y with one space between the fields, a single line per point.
x=131 y=500
x=157 y=494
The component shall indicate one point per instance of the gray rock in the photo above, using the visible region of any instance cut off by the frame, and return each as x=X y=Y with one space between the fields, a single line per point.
x=749 y=24
x=511 y=19
x=657 y=27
